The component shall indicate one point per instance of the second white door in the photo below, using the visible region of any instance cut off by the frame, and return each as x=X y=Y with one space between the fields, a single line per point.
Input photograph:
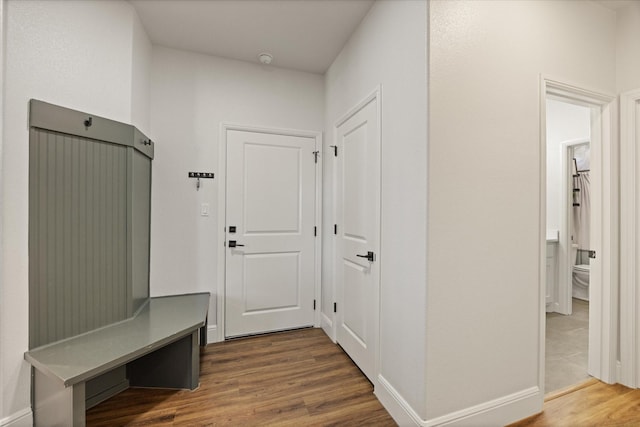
x=358 y=234
x=270 y=259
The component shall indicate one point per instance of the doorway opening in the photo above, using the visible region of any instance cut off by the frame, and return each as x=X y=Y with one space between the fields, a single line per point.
x=568 y=224
x=577 y=314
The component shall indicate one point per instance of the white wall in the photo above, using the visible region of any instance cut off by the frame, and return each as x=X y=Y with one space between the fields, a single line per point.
x=628 y=47
x=191 y=95
x=389 y=48
x=565 y=122
x=477 y=327
x=141 y=50
x=79 y=55
x=483 y=314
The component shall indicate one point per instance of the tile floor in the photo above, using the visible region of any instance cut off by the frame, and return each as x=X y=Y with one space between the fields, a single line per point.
x=567 y=347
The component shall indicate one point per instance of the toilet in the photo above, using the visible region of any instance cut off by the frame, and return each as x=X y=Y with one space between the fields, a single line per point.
x=580 y=279
x=579 y=276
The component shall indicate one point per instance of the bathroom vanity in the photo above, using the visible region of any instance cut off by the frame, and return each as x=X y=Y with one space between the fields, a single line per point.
x=552 y=268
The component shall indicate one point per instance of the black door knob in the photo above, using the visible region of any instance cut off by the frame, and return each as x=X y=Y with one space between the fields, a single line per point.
x=370 y=256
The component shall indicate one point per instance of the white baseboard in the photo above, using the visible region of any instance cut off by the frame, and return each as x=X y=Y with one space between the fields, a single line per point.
x=399 y=409
x=501 y=411
x=22 y=418
x=212 y=334
x=619 y=378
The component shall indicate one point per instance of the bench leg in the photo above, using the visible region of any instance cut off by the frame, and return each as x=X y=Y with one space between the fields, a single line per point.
x=57 y=405
x=176 y=365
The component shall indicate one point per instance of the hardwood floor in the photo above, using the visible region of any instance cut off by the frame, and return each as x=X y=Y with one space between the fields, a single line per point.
x=301 y=378
x=297 y=378
x=589 y=404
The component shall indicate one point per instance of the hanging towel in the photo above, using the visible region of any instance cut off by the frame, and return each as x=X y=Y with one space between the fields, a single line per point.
x=582 y=213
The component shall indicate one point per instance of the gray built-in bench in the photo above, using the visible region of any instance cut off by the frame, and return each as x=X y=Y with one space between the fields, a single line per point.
x=156 y=348
x=93 y=328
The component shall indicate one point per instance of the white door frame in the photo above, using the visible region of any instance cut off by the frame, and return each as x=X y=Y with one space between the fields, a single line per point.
x=629 y=243
x=564 y=303
x=602 y=340
x=222 y=217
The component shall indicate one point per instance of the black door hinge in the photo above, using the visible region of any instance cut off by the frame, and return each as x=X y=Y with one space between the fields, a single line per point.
x=335 y=150
x=335 y=307
x=315 y=155
x=314 y=305
x=335 y=229
x=315 y=230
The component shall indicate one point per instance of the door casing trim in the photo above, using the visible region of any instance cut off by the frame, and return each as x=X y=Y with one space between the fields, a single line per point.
x=222 y=218
x=564 y=286
x=605 y=348
x=629 y=244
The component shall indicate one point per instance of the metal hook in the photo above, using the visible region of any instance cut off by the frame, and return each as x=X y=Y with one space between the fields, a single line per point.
x=199 y=175
x=88 y=122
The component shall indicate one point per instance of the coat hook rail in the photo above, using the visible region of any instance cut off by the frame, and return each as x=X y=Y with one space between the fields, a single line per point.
x=198 y=175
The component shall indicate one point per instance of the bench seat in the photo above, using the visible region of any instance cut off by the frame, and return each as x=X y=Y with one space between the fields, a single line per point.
x=159 y=347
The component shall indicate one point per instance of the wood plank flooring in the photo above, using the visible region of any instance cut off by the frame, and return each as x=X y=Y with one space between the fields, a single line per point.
x=590 y=404
x=297 y=378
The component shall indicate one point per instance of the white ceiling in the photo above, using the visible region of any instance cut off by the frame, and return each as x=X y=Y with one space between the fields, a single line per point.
x=615 y=4
x=303 y=35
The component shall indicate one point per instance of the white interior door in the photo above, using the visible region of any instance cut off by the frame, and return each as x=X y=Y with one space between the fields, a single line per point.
x=358 y=215
x=598 y=212
x=270 y=248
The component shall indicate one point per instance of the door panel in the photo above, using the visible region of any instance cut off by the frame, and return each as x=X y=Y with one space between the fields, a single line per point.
x=355 y=183
x=270 y=274
x=358 y=212
x=272 y=196
x=354 y=318
x=272 y=281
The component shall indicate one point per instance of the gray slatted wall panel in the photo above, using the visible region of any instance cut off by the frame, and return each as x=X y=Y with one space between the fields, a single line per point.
x=77 y=235
x=141 y=213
